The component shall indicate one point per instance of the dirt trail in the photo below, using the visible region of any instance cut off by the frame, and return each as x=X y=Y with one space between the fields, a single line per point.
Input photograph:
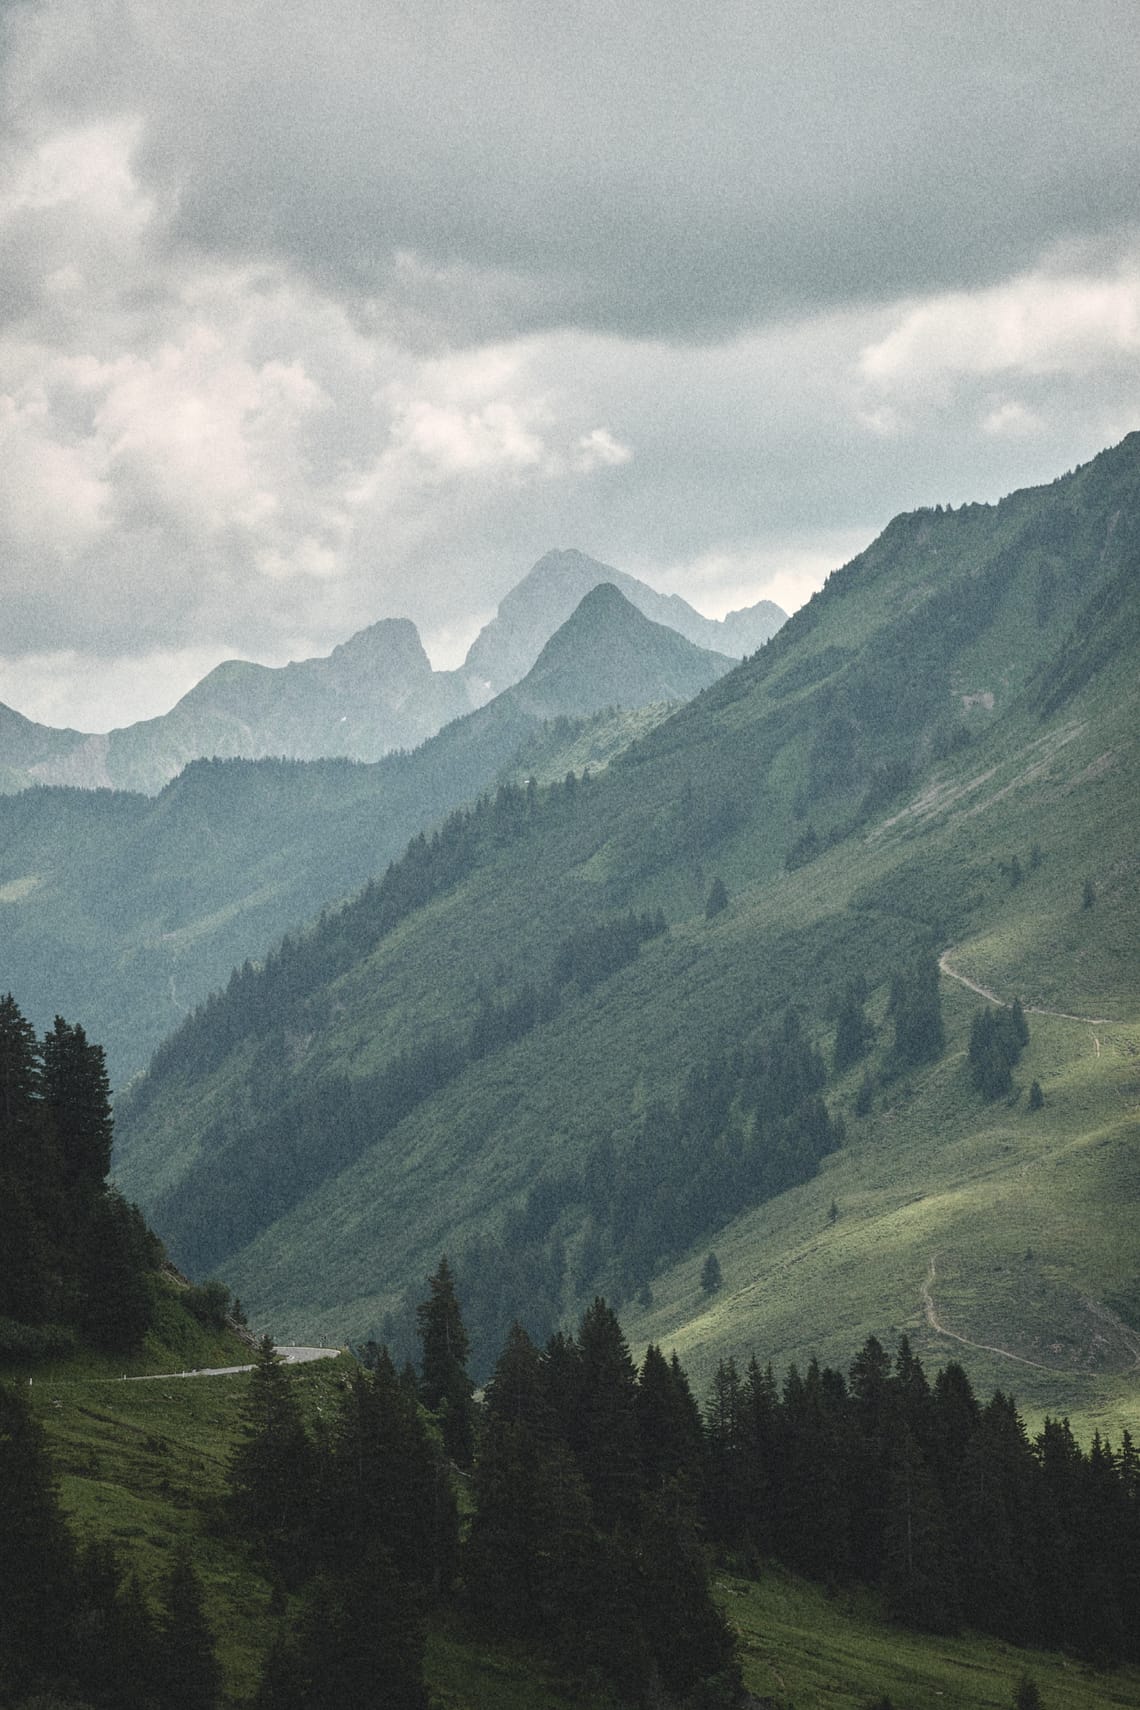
x=985 y=1347
x=1030 y=1008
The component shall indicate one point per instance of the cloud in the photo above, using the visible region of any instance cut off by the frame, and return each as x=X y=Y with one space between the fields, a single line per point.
x=1040 y=323
x=653 y=170
x=310 y=315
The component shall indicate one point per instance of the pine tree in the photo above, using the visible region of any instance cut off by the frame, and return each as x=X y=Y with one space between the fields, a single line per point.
x=272 y=1470
x=39 y=1580
x=445 y=1386
x=358 y=1643
x=668 y=1424
x=388 y=1484
x=852 y=1031
x=77 y=1094
x=917 y=1009
x=918 y=1563
x=188 y=1674
x=605 y=1435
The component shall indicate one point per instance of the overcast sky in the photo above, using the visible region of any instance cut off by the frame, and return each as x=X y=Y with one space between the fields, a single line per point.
x=312 y=314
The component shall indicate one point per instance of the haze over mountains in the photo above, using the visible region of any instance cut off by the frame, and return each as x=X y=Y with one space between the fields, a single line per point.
x=129 y=909
x=590 y=1030
x=375 y=693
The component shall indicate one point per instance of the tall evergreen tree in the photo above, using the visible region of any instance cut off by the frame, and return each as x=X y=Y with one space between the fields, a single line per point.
x=39 y=1580
x=605 y=1435
x=77 y=1094
x=388 y=1484
x=918 y=1560
x=446 y=1388
x=358 y=1643
x=272 y=1469
x=916 y=1004
x=189 y=1677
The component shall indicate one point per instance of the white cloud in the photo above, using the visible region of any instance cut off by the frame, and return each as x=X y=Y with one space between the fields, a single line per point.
x=1010 y=417
x=72 y=688
x=598 y=449
x=294 y=335
x=1039 y=324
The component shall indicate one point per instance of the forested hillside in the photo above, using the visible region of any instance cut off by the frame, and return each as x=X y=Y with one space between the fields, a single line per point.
x=130 y=910
x=301 y=1543
x=931 y=772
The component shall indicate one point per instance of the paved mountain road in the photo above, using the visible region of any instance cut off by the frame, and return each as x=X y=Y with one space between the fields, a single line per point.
x=291 y=1356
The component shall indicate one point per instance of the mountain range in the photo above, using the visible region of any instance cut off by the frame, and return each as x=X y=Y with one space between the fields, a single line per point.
x=129 y=909
x=724 y=995
x=375 y=693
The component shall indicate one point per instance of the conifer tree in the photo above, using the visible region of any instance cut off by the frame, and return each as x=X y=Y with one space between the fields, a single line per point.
x=77 y=1094
x=39 y=1581
x=388 y=1484
x=272 y=1470
x=916 y=1004
x=446 y=1388
x=668 y=1424
x=358 y=1643
x=918 y=1564
x=188 y=1674
x=605 y=1434
x=852 y=1030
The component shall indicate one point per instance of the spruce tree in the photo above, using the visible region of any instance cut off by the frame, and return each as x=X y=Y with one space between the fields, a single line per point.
x=605 y=1431
x=77 y=1094
x=917 y=1008
x=39 y=1577
x=189 y=1677
x=272 y=1469
x=446 y=1388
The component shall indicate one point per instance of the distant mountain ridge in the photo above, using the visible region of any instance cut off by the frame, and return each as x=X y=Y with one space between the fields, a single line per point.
x=130 y=909
x=506 y=648
x=375 y=693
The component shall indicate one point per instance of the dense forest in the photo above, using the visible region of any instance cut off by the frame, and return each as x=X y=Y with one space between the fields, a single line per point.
x=597 y=1497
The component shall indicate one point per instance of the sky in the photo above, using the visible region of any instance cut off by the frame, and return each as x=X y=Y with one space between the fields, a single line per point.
x=316 y=314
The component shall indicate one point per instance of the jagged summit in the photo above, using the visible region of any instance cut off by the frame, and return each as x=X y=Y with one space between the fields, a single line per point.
x=373 y=693
x=506 y=648
x=609 y=653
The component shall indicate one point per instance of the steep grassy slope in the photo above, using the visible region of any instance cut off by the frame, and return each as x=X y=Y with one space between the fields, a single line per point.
x=937 y=752
x=128 y=911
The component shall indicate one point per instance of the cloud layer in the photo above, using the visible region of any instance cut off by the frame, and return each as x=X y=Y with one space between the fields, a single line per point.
x=310 y=315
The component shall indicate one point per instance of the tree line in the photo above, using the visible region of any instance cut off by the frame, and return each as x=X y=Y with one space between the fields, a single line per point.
x=600 y=1496
x=77 y=1256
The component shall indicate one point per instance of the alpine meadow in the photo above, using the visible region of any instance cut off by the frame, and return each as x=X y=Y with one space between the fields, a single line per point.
x=694 y=1104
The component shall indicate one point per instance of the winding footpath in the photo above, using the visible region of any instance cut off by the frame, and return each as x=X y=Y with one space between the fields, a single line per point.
x=986 y=1347
x=932 y=1319
x=1089 y=1021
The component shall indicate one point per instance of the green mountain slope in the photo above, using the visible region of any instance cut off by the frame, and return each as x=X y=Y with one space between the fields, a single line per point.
x=932 y=757
x=130 y=910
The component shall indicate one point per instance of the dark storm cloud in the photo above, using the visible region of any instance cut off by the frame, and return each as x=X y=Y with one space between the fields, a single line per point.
x=656 y=169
